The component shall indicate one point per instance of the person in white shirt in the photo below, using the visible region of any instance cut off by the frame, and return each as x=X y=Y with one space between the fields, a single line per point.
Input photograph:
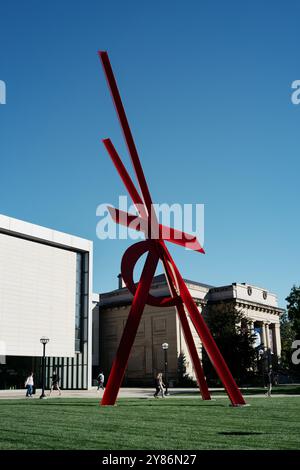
x=100 y=380
x=29 y=385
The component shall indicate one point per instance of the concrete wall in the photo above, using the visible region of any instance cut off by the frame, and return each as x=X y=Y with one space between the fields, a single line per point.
x=37 y=297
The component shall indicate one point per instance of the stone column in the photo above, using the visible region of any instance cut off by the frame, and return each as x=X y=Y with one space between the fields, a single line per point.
x=277 y=339
x=267 y=336
x=263 y=333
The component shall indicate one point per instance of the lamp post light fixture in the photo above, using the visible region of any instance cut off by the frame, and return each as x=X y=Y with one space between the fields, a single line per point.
x=165 y=347
x=44 y=340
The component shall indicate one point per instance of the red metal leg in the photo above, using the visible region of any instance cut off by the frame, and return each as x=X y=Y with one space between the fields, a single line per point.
x=188 y=335
x=193 y=353
x=138 y=304
x=209 y=344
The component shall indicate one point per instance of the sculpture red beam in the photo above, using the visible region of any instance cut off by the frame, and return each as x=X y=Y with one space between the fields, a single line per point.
x=157 y=250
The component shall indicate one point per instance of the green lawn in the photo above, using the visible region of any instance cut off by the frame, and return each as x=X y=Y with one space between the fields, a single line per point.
x=276 y=390
x=170 y=423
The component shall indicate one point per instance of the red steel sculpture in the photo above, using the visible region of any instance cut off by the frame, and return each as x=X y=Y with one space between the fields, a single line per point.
x=154 y=245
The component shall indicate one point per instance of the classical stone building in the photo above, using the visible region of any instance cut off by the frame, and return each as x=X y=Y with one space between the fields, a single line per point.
x=161 y=325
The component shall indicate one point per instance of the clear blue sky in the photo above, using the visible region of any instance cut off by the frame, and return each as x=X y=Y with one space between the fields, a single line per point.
x=206 y=86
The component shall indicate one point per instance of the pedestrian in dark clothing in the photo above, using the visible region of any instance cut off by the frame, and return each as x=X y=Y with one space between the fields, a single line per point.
x=55 y=382
x=269 y=382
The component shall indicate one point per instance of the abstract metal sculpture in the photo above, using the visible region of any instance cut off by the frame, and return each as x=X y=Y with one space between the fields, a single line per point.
x=156 y=248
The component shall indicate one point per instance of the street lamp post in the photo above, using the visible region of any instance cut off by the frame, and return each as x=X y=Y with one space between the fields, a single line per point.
x=44 y=341
x=165 y=347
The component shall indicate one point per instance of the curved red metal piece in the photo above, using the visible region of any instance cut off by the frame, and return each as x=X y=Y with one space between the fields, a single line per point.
x=129 y=260
x=157 y=250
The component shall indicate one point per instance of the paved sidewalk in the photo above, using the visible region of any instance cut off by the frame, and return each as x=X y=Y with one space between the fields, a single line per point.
x=91 y=393
x=126 y=393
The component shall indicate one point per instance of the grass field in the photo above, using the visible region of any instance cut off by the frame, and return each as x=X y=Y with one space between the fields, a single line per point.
x=170 y=423
x=276 y=390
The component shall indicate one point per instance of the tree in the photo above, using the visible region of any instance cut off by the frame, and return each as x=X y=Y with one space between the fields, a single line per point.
x=231 y=331
x=287 y=337
x=290 y=329
x=183 y=379
x=293 y=310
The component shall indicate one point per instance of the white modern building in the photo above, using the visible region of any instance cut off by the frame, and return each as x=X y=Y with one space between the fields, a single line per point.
x=45 y=290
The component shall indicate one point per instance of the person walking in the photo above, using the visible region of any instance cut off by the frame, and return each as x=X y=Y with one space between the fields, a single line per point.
x=55 y=382
x=159 y=385
x=29 y=383
x=100 y=380
x=270 y=378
